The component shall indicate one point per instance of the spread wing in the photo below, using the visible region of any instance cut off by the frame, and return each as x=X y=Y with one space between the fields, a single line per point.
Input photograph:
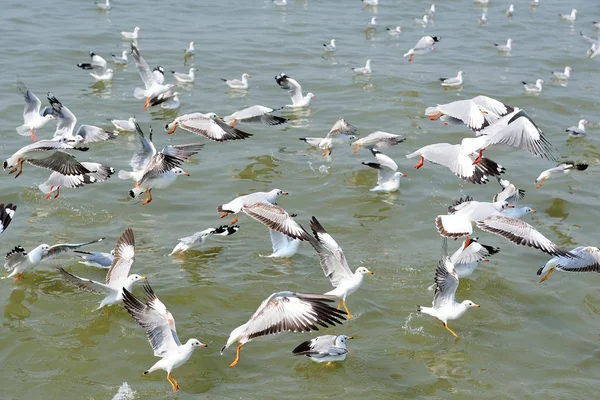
x=60 y=162
x=92 y=134
x=321 y=345
x=142 y=67
x=292 y=86
x=124 y=254
x=473 y=252
x=141 y=158
x=32 y=102
x=65 y=119
x=212 y=128
x=275 y=218
x=88 y=285
x=7 y=213
x=341 y=127
x=64 y=247
x=446 y=280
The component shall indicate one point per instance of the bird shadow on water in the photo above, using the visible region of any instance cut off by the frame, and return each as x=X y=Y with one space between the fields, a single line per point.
x=102 y=89
x=15 y=309
x=262 y=169
x=194 y=262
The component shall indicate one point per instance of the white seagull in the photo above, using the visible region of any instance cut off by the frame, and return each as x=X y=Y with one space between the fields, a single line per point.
x=563 y=75
x=587 y=260
x=153 y=86
x=477 y=113
x=326 y=348
x=159 y=324
x=378 y=140
x=295 y=91
x=579 y=130
x=103 y=6
x=122 y=60
x=469 y=255
x=562 y=168
x=208 y=125
x=510 y=193
x=422 y=21
x=483 y=18
x=191 y=50
x=125 y=125
x=569 y=17
x=18 y=261
x=275 y=218
x=182 y=77
x=131 y=35
x=504 y=48
x=97 y=173
x=168 y=100
x=7 y=213
x=339 y=133
x=98 y=64
x=255 y=113
x=444 y=306
x=372 y=23
x=334 y=265
x=96 y=259
x=33 y=118
x=236 y=83
x=331 y=46
x=395 y=31
x=198 y=239
x=283 y=246
x=453 y=82
x=286 y=312
x=388 y=176
x=517 y=212
x=535 y=89
x=366 y=70
x=511 y=11
x=236 y=205
x=423 y=46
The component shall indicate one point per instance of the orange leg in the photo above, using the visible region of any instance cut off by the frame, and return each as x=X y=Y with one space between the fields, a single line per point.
x=435 y=116
x=478 y=159
x=20 y=168
x=49 y=193
x=173 y=382
x=356 y=148
x=148 y=197
x=224 y=215
x=57 y=192
x=547 y=275
x=451 y=331
x=33 y=135
x=237 y=356
x=172 y=130
x=147 y=103
x=18 y=277
x=420 y=164
x=340 y=304
x=324 y=152
x=539 y=185
x=411 y=58
x=232 y=123
x=235 y=220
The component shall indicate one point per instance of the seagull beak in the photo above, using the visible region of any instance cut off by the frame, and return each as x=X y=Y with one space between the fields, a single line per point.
x=186 y=174
x=370 y=272
x=350 y=337
x=533 y=211
x=485 y=260
x=203 y=345
x=285 y=193
x=143 y=278
x=476 y=305
x=404 y=175
x=511 y=206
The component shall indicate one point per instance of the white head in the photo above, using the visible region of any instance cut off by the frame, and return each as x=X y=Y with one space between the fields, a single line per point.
x=124 y=54
x=310 y=95
x=574 y=13
x=469 y=304
x=179 y=171
x=432 y=8
x=502 y=205
x=583 y=122
x=192 y=70
x=193 y=343
x=246 y=76
x=362 y=271
x=42 y=248
x=509 y=43
x=539 y=83
x=191 y=45
x=460 y=73
x=398 y=29
x=136 y=29
x=132 y=120
x=568 y=69
x=171 y=85
x=49 y=117
x=76 y=140
x=110 y=71
x=275 y=193
x=374 y=21
x=511 y=8
x=527 y=210
x=131 y=279
x=399 y=175
x=332 y=43
x=341 y=340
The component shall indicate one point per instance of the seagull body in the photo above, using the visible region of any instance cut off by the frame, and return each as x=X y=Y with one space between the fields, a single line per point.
x=18 y=261
x=453 y=82
x=131 y=35
x=510 y=193
x=33 y=119
x=372 y=23
x=587 y=260
x=123 y=60
x=483 y=18
x=160 y=328
x=517 y=212
x=579 y=130
x=286 y=312
x=444 y=306
x=423 y=46
x=463 y=212
x=182 y=77
x=236 y=83
x=388 y=176
x=563 y=168
x=366 y=70
x=477 y=113
x=153 y=86
x=507 y=48
x=208 y=125
x=295 y=91
x=594 y=51
x=198 y=239
x=469 y=255
x=191 y=50
x=431 y=10
x=283 y=245
x=125 y=125
x=378 y=140
x=168 y=100
x=563 y=75
x=98 y=65
x=331 y=46
x=103 y=6
x=536 y=89
x=96 y=259
x=395 y=31
x=334 y=265
x=511 y=11
x=236 y=205
x=340 y=132
x=326 y=348
x=255 y=113
x=535 y=3
x=316 y=141
x=569 y=17
x=422 y=21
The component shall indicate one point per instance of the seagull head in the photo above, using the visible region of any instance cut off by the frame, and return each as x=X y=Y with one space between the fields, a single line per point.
x=179 y=171
x=469 y=304
x=246 y=76
x=341 y=340
x=363 y=271
x=195 y=343
x=399 y=175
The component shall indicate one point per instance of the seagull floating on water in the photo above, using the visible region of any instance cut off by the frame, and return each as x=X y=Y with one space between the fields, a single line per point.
x=131 y=35
x=103 y=6
x=569 y=17
x=563 y=75
x=236 y=83
x=536 y=89
x=511 y=11
x=191 y=50
x=504 y=48
x=366 y=70
x=395 y=31
x=125 y=125
x=453 y=82
x=579 y=130
x=331 y=46
x=326 y=348
x=121 y=60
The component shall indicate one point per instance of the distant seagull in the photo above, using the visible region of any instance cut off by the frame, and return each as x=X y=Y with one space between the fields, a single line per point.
x=388 y=176
x=481 y=1
x=483 y=18
x=370 y=2
x=280 y=2
x=153 y=81
x=535 y=3
x=422 y=21
x=191 y=50
x=294 y=90
x=255 y=113
x=96 y=259
x=594 y=51
x=378 y=140
x=373 y=23
x=563 y=75
x=395 y=31
x=131 y=35
x=33 y=119
x=431 y=10
x=424 y=45
x=511 y=11
x=366 y=70
x=569 y=17
x=182 y=77
x=453 y=82
x=504 y=48
x=121 y=60
x=579 y=130
x=236 y=83
x=125 y=125
x=326 y=348
x=331 y=46
x=199 y=238
x=103 y=6
x=537 y=88
x=98 y=64
x=596 y=25
x=564 y=168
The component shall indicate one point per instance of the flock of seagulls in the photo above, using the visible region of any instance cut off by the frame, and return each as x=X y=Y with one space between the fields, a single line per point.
x=492 y=123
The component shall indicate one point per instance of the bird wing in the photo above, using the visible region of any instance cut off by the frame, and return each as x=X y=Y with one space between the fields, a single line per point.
x=65 y=119
x=276 y=218
x=446 y=280
x=154 y=317
x=60 y=162
x=64 y=247
x=212 y=128
x=14 y=257
x=279 y=241
x=141 y=158
x=331 y=256
x=292 y=86
x=96 y=257
x=424 y=42
x=474 y=252
x=251 y=112
x=316 y=346
x=86 y=284
x=143 y=68
x=7 y=213
x=124 y=255
x=493 y=105
x=32 y=102
x=341 y=127
x=520 y=232
x=381 y=139
x=92 y=133
x=465 y=110
x=588 y=261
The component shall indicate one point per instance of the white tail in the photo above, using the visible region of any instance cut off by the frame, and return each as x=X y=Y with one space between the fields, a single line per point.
x=126 y=174
x=411 y=155
x=139 y=93
x=23 y=130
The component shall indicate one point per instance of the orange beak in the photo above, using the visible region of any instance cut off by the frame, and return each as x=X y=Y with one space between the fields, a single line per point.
x=511 y=206
x=285 y=193
x=533 y=211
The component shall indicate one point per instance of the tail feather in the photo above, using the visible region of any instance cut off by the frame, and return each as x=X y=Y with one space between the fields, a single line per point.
x=23 y=130
x=125 y=174
x=226 y=230
x=139 y=93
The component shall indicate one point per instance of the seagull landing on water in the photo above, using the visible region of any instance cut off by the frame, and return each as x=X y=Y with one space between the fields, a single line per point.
x=579 y=130
x=422 y=21
x=199 y=238
x=372 y=24
x=330 y=47
x=507 y=48
x=294 y=90
x=125 y=125
x=562 y=75
x=366 y=70
x=534 y=89
x=569 y=17
x=98 y=64
x=453 y=82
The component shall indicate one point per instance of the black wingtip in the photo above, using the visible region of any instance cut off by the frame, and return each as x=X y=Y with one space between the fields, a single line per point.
x=539 y=271
x=419 y=308
x=524 y=83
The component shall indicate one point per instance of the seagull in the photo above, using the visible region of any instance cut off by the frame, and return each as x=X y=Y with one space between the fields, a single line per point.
x=537 y=88
x=286 y=312
x=117 y=278
x=563 y=75
x=120 y=60
x=517 y=212
x=199 y=238
x=168 y=100
x=153 y=87
x=378 y=140
x=395 y=31
x=535 y=3
x=315 y=141
x=483 y=18
x=97 y=173
x=125 y=125
x=295 y=91
x=326 y=348
x=33 y=119
x=283 y=245
x=373 y=23
x=96 y=258
x=235 y=205
x=569 y=17
x=98 y=64
x=388 y=176
x=191 y=50
x=579 y=130
x=453 y=82
x=564 y=167
x=504 y=48
x=594 y=51
x=131 y=35
x=156 y=170
x=431 y=10
x=469 y=255
x=103 y=6
x=444 y=306
x=424 y=45
x=19 y=261
x=339 y=133
x=185 y=78
x=236 y=83
x=208 y=125
x=331 y=46
x=366 y=70
x=422 y=21
x=510 y=193
x=7 y=213
x=596 y=24
x=461 y=214
x=477 y=113
x=588 y=260
x=511 y=11
x=453 y=157
x=280 y=2
x=255 y=113
x=65 y=126
x=159 y=324
x=370 y=2
x=158 y=73
x=274 y=217
x=334 y=265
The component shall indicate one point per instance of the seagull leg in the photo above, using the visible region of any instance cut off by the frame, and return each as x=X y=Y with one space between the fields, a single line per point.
x=420 y=163
x=478 y=159
x=435 y=116
x=233 y=122
x=224 y=215
x=172 y=130
x=346 y=309
x=411 y=58
x=237 y=356
x=147 y=103
x=539 y=185
x=324 y=153
x=547 y=275
x=49 y=193
x=57 y=192
x=450 y=330
x=18 y=277
x=33 y=135
x=20 y=164
x=235 y=220
x=356 y=148
x=173 y=382
x=339 y=304
x=148 y=197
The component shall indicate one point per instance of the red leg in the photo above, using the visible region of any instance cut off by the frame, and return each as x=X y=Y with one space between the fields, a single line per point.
x=49 y=193
x=420 y=164
x=148 y=197
x=478 y=159
x=33 y=135
x=57 y=192
x=20 y=164
x=147 y=103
